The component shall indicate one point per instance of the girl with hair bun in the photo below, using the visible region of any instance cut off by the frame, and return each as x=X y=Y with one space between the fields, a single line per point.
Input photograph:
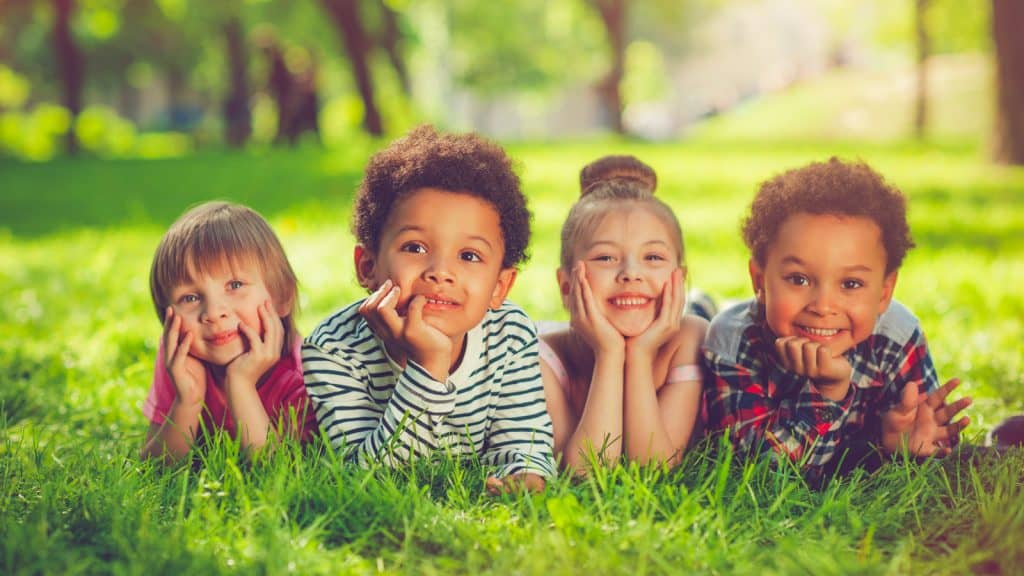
x=624 y=378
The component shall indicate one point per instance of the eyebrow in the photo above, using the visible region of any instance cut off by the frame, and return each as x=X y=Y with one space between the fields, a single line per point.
x=799 y=262
x=612 y=243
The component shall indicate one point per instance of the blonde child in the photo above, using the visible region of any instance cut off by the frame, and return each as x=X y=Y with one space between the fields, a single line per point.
x=623 y=379
x=225 y=293
x=822 y=361
x=435 y=359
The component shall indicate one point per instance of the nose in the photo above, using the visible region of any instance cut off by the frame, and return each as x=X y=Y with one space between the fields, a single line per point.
x=823 y=300
x=439 y=270
x=629 y=271
x=213 y=309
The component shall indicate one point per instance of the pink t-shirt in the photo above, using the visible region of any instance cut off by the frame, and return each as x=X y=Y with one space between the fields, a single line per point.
x=280 y=392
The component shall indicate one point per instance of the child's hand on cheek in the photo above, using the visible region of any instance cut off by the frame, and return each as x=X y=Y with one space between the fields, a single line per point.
x=423 y=343
x=666 y=324
x=186 y=371
x=264 y=351
x=586 y=318
x=815 y=361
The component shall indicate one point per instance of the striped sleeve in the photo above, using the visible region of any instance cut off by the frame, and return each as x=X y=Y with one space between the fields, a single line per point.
x=520 y=436
x=348 y=389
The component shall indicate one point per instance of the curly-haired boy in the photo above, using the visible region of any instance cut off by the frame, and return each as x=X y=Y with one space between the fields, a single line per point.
x=822 y=359
x=435 y=359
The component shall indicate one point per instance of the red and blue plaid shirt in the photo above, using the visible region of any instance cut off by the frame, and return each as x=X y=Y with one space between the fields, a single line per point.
x=763 y=406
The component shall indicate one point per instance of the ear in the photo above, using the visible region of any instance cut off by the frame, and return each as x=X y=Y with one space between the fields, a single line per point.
x=285 y=308
x=888 y=287
x=366 y=264
x=756 y=279
x=563 y=285
x=506 y=277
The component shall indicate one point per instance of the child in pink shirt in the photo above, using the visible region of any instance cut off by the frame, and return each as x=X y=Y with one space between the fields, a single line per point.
x=225 y=293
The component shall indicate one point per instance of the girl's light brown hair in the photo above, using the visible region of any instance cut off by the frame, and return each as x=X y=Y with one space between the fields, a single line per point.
x=604 y=196
x=621 y=167
x=217 y=235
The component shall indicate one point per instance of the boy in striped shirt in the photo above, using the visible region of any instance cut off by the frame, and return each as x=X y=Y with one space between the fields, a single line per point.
x=435 y=359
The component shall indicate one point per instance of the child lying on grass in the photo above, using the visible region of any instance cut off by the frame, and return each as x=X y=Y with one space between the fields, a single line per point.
x=435 y=358
x=226 y=294
x=822 y=360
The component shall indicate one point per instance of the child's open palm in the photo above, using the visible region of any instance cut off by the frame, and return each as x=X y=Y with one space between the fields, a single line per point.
x=666 y=324
x=186 y=372
x=925 y=421
x=587 y=320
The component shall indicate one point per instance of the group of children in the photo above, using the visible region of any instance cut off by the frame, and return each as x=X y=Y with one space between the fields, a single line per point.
x=820 y=367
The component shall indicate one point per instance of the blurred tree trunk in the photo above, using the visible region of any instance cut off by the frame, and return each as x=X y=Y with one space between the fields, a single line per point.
x=237 y=119
x=69 y=62
x=613 y=16
x=391 y=41
x=1007 y=27
x=923 y=53
x=345 y=14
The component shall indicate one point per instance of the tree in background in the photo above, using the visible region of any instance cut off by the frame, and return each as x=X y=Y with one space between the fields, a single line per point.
x=923 y=43
x=349 y=23
x=1007 y=27
x=613 y=16
x=70 y=63
x=237 y=117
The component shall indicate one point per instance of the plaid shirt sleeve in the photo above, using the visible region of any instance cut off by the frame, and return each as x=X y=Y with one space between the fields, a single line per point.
x=763 y=408
x=910 y=363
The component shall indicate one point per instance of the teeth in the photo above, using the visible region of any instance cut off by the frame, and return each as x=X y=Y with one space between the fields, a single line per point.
x=630 y=301
x=821 y=331
x=433 y=301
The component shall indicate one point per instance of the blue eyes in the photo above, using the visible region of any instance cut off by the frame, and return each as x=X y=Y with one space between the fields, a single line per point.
x=235 y=284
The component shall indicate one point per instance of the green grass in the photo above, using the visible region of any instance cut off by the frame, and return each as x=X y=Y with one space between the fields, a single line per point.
x=76 y=237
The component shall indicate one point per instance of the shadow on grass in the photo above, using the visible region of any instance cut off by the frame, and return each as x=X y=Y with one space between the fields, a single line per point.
x=69 y=194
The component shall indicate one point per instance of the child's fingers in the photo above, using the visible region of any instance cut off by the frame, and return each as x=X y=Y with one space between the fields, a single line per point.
x=177 y=359
x=494 y=486
x=938 y=397
x=795 y=353
x=387 y=311
x=273 y=328
x=909 y=399
x=946 y=413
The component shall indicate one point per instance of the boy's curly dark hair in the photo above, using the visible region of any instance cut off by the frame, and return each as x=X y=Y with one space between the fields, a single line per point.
x=833 y=187
x=464 y=163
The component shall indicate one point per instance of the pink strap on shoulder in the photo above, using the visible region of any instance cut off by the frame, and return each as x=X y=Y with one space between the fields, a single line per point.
x=685 y=373
x=550 y=357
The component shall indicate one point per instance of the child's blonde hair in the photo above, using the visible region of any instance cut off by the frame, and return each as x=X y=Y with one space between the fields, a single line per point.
x=215 y=235
x=600 y=198
x=618 y=167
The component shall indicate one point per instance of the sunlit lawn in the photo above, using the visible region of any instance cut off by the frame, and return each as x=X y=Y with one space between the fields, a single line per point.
x=79 y=336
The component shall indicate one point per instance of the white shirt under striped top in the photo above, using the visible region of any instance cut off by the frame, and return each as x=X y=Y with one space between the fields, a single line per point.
x=491 y=405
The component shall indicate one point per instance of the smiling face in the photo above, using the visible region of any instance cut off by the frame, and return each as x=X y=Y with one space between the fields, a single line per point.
x=824 y=279
x=211 y=305
x=629 y=257
x=447 y=247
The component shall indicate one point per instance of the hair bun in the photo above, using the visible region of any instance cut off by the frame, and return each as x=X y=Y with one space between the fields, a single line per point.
x=626 y=168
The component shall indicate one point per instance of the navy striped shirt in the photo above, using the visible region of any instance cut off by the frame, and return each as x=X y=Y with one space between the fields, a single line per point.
x=491 y=405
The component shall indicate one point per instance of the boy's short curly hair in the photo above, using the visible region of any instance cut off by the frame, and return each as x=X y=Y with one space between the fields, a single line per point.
x=464 y=163
x=833 y=187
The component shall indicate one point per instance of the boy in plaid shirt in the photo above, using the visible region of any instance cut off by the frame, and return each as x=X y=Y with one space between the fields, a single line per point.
x=822 y=360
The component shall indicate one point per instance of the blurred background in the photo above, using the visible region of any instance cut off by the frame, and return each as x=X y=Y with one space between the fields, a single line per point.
x=158 y=78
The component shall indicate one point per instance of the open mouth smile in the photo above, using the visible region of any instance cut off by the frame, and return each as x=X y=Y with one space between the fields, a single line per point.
x=628 y=302
x=818 y=332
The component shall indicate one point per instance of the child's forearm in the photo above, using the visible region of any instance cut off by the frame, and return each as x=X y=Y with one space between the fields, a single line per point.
x=173 y=439
x=600 y=426
x=251 y=421
x=647 y=439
